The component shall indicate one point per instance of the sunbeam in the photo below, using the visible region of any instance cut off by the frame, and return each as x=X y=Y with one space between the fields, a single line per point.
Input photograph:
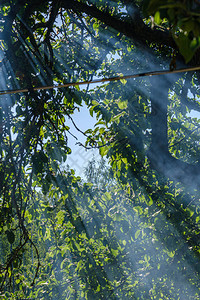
x=120 y=78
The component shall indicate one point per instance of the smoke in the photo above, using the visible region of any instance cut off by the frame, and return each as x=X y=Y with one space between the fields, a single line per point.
x=125 y=243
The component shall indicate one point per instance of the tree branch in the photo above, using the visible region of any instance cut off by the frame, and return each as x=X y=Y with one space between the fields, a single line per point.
x=135 y=29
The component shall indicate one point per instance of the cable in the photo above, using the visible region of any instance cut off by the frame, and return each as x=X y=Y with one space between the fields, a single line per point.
x=26 y=90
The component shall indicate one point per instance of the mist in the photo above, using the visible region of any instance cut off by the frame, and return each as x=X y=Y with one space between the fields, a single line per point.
x=131 y=229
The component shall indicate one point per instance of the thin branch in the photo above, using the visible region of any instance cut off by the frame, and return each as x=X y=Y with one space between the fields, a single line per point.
x=63 y=24
x=38 y=259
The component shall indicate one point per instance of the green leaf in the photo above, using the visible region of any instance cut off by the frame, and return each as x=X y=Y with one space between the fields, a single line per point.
x=10 y=236
x=60 y=217
x=171 y=254
x=157 y=18
x=184 y=44
x=95 y=26
x=123 y=104
x=137 y=234
x=195 y=44
x=123 y=81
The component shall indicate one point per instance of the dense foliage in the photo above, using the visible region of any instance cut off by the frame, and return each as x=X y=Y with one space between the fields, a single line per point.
x=182 y=18
x=131 y=231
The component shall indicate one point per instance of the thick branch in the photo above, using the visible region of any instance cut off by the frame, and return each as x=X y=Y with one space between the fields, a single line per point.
x=135 y=29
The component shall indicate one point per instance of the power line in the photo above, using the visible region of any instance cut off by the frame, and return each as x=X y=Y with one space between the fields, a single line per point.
x=116 y=78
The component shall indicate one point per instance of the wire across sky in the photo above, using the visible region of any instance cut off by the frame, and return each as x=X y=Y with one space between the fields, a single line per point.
x=108 y=79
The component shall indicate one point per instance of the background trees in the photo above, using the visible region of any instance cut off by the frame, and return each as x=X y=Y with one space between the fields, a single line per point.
x=146 y=127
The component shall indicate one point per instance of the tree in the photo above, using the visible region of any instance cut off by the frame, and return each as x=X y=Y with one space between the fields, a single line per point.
x=145 y=127
x=95 y=244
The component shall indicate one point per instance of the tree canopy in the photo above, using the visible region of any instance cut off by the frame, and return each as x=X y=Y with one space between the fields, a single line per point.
x=128 y=231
